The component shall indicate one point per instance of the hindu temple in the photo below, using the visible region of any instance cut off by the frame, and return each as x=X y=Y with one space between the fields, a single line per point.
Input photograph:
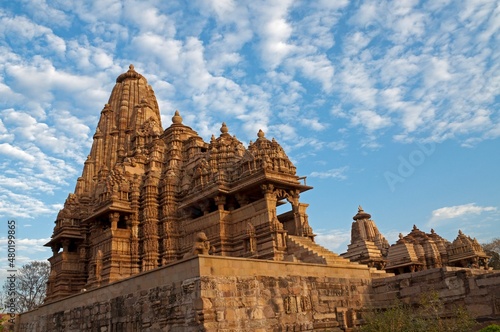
x=167 y=232
x=416 y=251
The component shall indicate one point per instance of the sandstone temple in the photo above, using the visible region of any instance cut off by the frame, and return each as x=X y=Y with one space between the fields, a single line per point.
x=416 y=251
x=146 y=194
x=167 y=232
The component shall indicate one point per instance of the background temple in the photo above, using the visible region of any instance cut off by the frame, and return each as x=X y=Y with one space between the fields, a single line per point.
x=414 y=252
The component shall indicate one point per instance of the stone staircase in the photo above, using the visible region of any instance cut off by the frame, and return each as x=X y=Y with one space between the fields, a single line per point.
x=305 y=250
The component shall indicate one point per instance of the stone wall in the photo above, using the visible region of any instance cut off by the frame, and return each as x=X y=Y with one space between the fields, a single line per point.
x=476 y=290
x=215 y=293
x=162 y=297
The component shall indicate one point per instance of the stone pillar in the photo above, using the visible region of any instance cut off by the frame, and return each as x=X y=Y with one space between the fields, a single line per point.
x=133 y=222
x=220 y=201
x=271 y=200
x=114 y=218
x=168 y=217
x=277 y=233
x=150 y=254
x=293 y=199
x=65 y=245
x=305 y=229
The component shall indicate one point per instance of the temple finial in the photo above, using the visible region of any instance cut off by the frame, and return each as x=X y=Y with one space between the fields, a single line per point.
x=177 y=118
x=224 y=128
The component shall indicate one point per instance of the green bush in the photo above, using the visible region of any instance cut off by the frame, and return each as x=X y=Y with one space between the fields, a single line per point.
x=426 y=316
x=491 y=328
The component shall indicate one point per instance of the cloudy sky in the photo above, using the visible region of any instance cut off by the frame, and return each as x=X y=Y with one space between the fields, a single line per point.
x=392 y=105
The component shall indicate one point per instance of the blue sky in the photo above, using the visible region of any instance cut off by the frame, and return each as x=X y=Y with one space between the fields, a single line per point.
x=392 y=105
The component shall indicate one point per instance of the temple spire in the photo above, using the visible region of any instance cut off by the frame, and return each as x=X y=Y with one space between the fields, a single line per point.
x=131 y=108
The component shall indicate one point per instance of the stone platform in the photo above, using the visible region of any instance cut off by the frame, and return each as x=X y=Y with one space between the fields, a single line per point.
x=215 y=293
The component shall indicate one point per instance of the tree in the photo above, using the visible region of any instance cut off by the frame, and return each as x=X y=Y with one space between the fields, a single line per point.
x=31 y=285
x=426 y=316
x=492 y=249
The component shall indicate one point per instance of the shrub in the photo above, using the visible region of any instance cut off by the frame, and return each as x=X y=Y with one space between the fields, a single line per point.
x=426 y=316
x=491 y=328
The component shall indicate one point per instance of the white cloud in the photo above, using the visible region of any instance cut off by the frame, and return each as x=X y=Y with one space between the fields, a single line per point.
x=14 y=152
x=46 y=13
x=102 y=59
x=4 y=134
x=408 y=24
x=283 y=132
x=337 y=145
x=316 y=68
x=314 y=124
x=232 y=33
x=14 y=205
x=150 y=19
x=21 y=181
x=427 y=88
x=335 y=240
x=26 y=31
x=94 y=11
x=313 y=145
x=26 y=244
x=335 y=173
x=222 y=8
x=437 y=72
x=370 y=120
x=37 y=160
x=274 y=30
x=357 y=84
x=67 y=136
x=42 y=76
x=457 y=211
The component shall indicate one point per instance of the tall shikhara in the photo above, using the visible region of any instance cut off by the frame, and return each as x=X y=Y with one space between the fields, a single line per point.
x=145 y=195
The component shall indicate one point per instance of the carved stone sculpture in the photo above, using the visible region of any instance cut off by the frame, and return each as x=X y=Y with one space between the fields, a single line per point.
x=201 y=246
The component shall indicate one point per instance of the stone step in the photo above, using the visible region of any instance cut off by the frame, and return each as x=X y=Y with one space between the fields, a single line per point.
x=313 y=252
x=303 y=253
